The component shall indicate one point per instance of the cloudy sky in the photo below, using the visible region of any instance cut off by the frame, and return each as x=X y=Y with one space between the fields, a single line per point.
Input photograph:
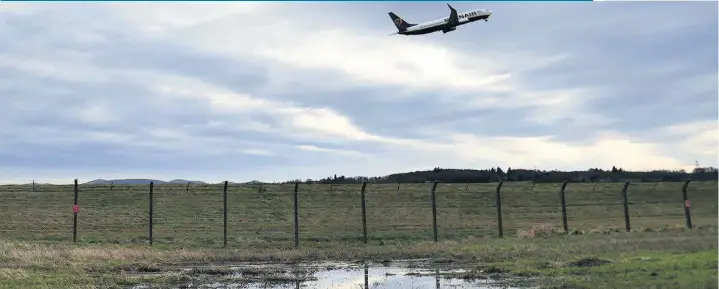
x=277 y=91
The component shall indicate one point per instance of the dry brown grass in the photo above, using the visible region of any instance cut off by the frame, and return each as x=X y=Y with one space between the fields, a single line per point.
x=13 y=273
x=538 y=230
x=546 y=237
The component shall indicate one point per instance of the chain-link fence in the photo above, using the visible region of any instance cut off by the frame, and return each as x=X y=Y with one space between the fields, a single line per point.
x=264 y=215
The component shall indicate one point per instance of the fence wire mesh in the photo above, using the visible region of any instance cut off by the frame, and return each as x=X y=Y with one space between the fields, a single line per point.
x=116 y=214
x=263 y=215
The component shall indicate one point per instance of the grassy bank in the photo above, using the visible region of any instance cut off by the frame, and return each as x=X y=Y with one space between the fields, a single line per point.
x=263 y=216
x=673 y=259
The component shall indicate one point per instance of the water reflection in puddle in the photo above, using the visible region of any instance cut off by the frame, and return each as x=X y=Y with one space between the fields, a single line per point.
x=389 y=277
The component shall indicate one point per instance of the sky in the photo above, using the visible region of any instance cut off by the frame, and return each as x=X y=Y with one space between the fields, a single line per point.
x=275 y=91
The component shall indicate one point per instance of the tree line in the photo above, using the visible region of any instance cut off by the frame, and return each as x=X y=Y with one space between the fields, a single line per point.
x=445 y=175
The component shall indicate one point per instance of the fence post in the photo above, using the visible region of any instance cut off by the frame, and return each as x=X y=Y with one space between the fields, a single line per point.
x=75 y=210
x=188 y=187
x=364 y=213
x=33 y=186
x=625 y=196
x=437 y=279
x=224 y=212
x=398 y=186
x=564 y=207
x=366 y=276
x=434 y=210
x=499 y=209
x=687 y=212
x=297 y=220
x=151 y=212
x=112 y=184
x=331 y=187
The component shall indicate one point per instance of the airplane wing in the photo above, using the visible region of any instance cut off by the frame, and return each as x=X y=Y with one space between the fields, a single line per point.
x=453 y=18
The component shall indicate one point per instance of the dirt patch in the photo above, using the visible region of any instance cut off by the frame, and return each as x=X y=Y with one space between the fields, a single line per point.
x=268 y=275
x=588 y=262
x=287 y=278
x=214 y=271
x=467 y=275
x=251 y=271
x=140 y=268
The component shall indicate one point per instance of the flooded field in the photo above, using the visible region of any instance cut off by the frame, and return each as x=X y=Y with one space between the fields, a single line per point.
x=399 y=274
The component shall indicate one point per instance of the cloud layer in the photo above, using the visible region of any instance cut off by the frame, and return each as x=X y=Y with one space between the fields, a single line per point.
x=276 y=91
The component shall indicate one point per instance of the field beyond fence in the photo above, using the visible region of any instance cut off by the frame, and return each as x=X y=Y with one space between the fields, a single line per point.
x=274 y=215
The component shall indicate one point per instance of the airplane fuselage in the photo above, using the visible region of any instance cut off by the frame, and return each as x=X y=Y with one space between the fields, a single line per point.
x=441 y=24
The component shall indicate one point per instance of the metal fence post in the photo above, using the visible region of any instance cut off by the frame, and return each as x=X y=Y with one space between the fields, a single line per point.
x=687 y=211
x=564 y=207
x=364 y=213
x=499 y=209
x=150 y=213
x=297 y=219
x=625 y=197
x=434 y=211
x=224 y=212
x=75 y=211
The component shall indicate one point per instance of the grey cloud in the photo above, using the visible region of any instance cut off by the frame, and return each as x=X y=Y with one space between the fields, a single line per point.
x=164 y=57
x=639 y=74
x=108 y=156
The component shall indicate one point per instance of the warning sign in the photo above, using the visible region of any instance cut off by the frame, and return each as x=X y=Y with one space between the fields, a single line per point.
x=75 y=209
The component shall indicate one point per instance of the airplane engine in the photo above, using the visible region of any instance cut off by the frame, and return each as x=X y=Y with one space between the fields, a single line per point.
x=448 y=30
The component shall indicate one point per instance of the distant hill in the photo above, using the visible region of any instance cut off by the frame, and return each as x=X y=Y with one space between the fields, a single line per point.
x=37 y=184
x=124 y=182
x=139 y=182
x=181 y=181
x=254 y=182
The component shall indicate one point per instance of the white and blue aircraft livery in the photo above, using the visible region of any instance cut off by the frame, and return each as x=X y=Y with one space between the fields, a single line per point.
x=445 y=24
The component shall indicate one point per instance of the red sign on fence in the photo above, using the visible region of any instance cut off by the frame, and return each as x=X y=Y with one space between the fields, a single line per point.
x=75 y=209
x=686 y=203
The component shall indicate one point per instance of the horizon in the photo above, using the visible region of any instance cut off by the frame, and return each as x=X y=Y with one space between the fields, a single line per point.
x=82 y=181
x=172 y=90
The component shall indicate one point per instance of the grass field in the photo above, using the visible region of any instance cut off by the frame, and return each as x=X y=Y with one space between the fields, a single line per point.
x=333 y=213
x=36 y=232
x=670 y=259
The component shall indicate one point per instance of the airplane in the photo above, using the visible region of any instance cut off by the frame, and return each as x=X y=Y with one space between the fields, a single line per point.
x=445 y=24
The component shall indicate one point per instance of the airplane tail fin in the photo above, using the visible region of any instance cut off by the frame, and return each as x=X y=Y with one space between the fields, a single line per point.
x=399 y=22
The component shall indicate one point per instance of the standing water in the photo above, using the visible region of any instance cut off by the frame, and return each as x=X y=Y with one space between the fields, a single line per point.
x=332 y=275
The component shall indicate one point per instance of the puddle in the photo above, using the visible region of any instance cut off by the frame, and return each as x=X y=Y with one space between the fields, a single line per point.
x=412 y=274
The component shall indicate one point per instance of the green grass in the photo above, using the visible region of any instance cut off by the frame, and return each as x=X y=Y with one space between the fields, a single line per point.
x=643 y=269
x=264 y=219
x=669 y=259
